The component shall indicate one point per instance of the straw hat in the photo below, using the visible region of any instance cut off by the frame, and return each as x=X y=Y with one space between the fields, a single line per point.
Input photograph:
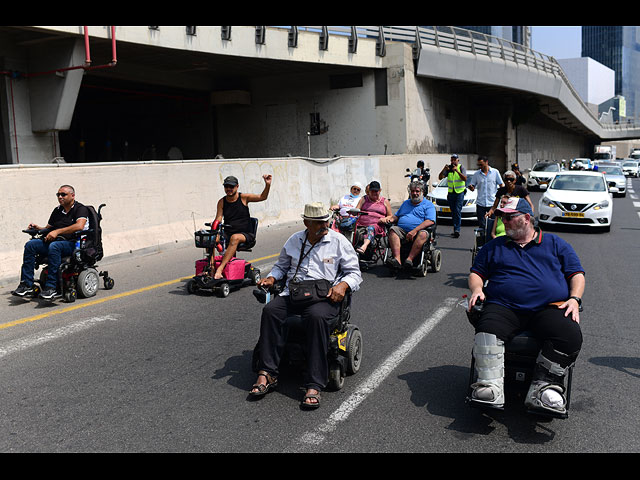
x=316 y=211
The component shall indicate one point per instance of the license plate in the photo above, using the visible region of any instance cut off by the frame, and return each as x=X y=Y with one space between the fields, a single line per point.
x=445 y=209
x=573 y=214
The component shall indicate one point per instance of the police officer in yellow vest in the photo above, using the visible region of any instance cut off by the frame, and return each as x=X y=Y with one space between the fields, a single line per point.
x=456 y=179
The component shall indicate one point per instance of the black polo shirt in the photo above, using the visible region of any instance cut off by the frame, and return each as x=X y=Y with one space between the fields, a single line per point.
x=61 y=219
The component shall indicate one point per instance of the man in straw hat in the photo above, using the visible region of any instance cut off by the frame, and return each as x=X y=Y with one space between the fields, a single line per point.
x=314 y=254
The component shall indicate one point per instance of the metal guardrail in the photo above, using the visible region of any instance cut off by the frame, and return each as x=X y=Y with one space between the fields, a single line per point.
x=462 y=40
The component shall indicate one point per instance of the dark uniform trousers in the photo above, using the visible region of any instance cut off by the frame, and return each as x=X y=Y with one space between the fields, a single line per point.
x=317 y=318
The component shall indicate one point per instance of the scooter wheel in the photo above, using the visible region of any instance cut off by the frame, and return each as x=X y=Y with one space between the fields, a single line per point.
x=191 y=286
x=223 y=290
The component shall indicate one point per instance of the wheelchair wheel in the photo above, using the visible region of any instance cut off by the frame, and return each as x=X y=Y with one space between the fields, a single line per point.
x=436 y=261
x=354 y=350
x=87 y=283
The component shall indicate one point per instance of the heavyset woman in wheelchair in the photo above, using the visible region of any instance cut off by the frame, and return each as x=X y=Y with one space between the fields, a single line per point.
x=528 y=281
x=376 y=208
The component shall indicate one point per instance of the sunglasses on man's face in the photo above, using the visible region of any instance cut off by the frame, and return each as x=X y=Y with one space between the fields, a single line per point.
x=510 y=216
x=509 y=179
x=61 y=194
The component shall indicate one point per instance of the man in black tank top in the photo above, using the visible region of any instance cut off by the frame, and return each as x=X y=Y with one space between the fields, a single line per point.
x=234 y=208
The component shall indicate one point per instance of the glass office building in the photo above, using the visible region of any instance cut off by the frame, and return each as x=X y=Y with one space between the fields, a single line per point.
x=618 y=48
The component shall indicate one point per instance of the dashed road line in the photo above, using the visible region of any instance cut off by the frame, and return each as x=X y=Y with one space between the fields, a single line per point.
x=40 y=338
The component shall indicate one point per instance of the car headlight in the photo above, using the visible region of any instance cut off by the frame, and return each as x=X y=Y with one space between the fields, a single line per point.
x=548 y=203
x=469 y=202
x=601 y=205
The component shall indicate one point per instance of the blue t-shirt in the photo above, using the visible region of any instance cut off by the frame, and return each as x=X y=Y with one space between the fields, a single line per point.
x=530 y=277
x=410 y=215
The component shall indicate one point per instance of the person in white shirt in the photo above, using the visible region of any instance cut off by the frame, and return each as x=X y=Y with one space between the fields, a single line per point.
x=348 y=202
x=316 y=254
x=487 y=180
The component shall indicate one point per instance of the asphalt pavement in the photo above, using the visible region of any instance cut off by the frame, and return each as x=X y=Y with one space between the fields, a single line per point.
x=147 y=367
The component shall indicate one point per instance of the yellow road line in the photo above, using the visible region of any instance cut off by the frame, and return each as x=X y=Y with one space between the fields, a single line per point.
x=97 y=301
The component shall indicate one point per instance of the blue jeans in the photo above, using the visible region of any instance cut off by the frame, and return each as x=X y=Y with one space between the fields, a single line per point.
x=456 y=201
x=54 y=251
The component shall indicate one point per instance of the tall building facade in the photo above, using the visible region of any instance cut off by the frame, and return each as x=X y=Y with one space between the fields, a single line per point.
x=618 y=47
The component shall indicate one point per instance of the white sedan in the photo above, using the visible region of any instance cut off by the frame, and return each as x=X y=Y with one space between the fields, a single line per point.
x=577 y=198
x=438 y=196
x=630 y=168
x=541 y=174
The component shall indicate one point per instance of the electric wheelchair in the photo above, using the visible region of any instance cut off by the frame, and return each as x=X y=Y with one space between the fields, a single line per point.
x=344 y=354
x=78 y=274
x=429 y=260
x=520 y=360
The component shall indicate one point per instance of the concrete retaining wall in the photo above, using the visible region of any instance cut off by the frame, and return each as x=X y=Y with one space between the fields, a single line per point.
x=157 y=203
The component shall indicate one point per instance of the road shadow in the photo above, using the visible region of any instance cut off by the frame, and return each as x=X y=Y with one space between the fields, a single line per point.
x=442 y=391
x=622 y=364
x=239 y=373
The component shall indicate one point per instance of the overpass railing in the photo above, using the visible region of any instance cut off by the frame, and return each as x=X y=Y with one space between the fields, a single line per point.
x=458 y=39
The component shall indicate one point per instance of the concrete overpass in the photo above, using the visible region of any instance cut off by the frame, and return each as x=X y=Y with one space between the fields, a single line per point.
x=317 y=107
x=240 y=75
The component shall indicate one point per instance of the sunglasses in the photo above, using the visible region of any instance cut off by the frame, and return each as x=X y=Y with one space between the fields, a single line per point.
x=510 y=216
x=509 y=179
x=61 y=194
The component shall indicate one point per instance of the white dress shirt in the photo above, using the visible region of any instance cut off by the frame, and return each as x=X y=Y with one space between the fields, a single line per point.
x=332 y=258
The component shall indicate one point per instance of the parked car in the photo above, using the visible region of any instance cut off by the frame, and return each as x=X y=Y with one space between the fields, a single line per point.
x=578 y=197
x=630 y=168
x=613 y=174
x=541 y=174
x=438 y=196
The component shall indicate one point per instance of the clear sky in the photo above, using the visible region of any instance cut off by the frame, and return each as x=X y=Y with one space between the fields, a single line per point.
x=557 y=41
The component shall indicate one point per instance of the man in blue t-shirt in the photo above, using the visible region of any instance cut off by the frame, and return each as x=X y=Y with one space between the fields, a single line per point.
x=528 y=281
x=412 y=219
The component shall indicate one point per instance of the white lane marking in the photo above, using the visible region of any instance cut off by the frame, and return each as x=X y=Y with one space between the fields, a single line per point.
x=318 y=435
x=636 y=204
x=40 y=338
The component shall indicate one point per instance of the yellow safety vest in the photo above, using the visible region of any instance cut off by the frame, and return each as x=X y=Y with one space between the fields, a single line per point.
x=455 y=182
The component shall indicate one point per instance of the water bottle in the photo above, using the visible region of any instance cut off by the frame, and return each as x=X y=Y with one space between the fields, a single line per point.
x=464 y=303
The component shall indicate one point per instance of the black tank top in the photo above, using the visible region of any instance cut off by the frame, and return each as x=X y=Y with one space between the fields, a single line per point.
x=235 y=214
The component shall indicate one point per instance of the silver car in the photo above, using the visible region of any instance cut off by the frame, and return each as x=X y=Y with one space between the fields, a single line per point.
x=614 y=175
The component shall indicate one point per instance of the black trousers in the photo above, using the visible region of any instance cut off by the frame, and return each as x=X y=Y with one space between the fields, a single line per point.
x=548 y=324
x=317 y=318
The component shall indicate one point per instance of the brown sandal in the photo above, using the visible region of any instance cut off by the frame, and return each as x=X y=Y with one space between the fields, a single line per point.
x=272 y=382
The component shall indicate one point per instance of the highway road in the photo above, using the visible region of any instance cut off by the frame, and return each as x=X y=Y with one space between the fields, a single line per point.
x=146 y=367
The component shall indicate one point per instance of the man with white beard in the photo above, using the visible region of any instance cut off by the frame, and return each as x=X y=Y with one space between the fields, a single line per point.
x=412 y=219
x=528 y=281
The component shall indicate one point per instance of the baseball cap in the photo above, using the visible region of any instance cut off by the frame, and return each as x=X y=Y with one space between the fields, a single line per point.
x=515 y=205
x=374 y=185
x=230 y=180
